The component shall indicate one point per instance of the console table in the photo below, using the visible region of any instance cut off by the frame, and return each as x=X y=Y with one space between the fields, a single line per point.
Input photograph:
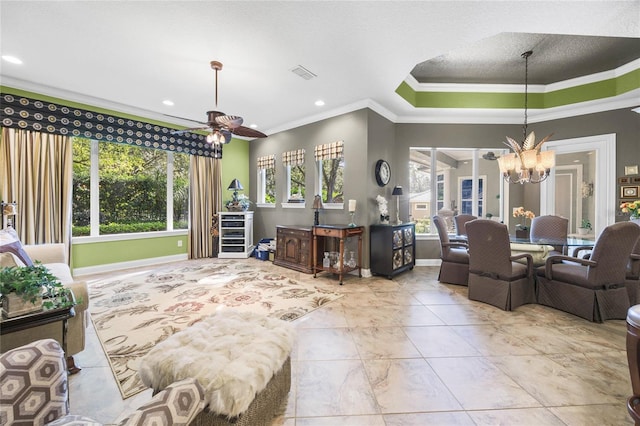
x=341 y=233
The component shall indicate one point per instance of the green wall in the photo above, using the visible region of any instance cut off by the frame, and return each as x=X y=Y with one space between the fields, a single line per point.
x=235 y=165
x=105 y=252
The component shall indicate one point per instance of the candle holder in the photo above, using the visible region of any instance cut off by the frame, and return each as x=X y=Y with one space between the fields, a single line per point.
x=353 y=222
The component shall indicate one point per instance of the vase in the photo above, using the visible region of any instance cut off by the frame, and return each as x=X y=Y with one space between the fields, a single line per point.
x=635 y=219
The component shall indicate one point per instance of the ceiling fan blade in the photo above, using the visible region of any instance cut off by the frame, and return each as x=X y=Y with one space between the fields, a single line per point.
x=179 y=132
x=229 y=121
x=184 y=119
x=247 y=132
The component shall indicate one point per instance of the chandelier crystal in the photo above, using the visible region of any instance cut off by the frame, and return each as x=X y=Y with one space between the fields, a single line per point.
x=527 y=163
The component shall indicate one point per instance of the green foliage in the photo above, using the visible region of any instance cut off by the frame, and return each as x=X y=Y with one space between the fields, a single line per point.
x=33 y=282
x=586 y=224
x=422 y=225
x=127 y=228
x=133 y=188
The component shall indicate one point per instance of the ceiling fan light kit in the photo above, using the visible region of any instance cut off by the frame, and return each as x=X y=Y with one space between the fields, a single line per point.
x=222 y=127
x=526 y=164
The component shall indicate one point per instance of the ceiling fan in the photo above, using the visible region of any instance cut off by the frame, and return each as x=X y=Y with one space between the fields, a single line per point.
x=222 y=126
x=490 y=156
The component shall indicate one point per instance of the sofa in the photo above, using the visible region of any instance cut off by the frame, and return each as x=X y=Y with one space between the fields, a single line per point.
x=53 y=257
x=45 y=398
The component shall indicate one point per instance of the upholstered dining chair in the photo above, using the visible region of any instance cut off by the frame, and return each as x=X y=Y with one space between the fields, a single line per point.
x=593 y=288
x=460 y=220
x=632 y=278
x=495 y=276
x=454 y=268
x=550 y=227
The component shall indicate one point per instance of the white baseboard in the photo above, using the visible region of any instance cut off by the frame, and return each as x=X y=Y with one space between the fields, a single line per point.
x=428 y=262
x=97 y=269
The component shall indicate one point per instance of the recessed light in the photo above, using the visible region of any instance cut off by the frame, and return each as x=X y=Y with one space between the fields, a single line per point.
x=167 y=102
x=319 y=102
x=12 y=59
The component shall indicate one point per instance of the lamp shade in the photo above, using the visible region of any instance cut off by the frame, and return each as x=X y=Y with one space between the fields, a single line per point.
x=317 y=202
x=397 y=190
x=235 y=185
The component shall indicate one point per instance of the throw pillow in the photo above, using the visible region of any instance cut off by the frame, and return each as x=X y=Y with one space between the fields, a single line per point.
x=9 y=259
x=10 y=243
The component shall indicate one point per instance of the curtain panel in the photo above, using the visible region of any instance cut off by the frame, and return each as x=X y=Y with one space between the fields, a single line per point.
x=31 y=114
x=205 y=202
x=293 y=158
x=36 y=170
x=329 y=151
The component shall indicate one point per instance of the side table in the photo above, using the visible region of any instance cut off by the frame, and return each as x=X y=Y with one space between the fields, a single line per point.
x=340 y=232
x=36 y=319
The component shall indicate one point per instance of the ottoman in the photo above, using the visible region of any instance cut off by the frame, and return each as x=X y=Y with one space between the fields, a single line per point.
x=241 y=360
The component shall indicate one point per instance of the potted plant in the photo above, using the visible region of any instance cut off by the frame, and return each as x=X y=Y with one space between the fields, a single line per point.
x=26 y=289
x=585 y=227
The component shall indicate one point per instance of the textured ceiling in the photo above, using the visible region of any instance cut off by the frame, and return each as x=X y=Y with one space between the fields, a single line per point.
x=138 y=53
x=556 y=57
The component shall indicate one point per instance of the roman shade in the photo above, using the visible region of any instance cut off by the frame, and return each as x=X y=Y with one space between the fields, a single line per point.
x=293 y=158
x=329 y=151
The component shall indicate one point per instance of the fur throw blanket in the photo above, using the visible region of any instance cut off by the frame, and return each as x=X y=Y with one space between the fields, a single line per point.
x=232 y=354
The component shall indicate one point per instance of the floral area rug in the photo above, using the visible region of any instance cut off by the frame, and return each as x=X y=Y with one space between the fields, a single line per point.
x=132 y=312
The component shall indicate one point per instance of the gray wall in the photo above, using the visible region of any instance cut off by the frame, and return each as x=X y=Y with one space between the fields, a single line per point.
x=369 y=137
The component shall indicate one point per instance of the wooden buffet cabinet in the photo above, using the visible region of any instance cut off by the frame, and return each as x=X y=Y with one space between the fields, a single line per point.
x=294 y=245
x=392 y=248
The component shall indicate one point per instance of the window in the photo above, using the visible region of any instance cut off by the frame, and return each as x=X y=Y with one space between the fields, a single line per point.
x=466 y=195
x=267 y=180
x=293 y=162
x=441 y=182
x=330 y=162
x=120 y=189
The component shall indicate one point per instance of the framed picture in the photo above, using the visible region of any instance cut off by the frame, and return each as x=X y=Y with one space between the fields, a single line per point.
x=624 y=180
x=635 y=179
x=628 y=192
x=631 y=170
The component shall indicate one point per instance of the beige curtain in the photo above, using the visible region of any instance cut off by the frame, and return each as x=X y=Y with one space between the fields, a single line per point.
x=205 y=202
x=36 y=171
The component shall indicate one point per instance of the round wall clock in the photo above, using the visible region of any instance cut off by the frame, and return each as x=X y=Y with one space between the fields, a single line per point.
x=383 y=173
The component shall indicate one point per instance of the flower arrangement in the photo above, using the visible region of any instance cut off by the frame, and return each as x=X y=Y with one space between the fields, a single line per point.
x=526 y=214
x=631 y=207
x=383 y=209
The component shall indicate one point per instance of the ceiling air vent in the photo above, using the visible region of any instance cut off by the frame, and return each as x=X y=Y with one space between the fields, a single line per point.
x=303 y=72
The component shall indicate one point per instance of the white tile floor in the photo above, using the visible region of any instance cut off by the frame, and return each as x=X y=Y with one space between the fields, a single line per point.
x=412 y=351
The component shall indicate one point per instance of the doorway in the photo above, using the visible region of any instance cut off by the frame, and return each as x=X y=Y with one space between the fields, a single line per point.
x=600 y=205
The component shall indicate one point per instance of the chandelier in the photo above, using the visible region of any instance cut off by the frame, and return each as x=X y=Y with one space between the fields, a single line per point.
x=526 y=164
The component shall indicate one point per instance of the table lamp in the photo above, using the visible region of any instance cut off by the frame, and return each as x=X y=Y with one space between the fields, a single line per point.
x=397 y=191
x=317 y=205
x=8 y=209
x=234 y=186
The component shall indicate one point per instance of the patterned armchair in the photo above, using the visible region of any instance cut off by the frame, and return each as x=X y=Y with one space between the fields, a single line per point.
x=495 y=276
x=593 y=288
x=34 y=391
x=454 y=268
